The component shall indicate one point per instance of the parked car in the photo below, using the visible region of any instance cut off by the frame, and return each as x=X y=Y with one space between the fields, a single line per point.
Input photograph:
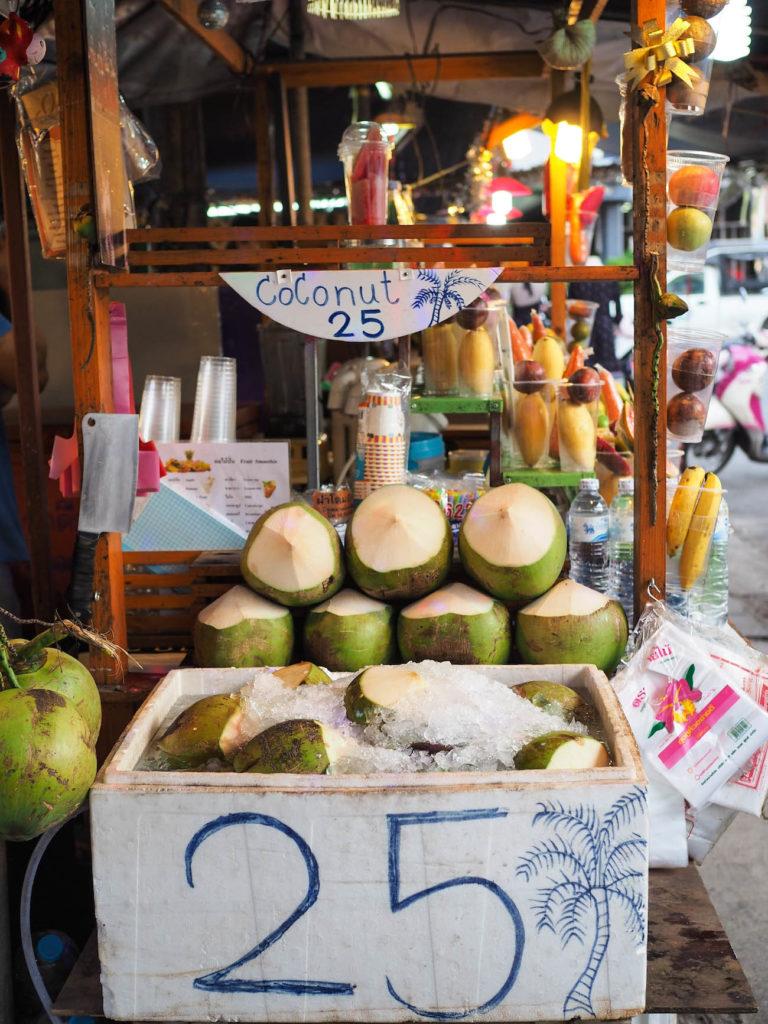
x=730 y=296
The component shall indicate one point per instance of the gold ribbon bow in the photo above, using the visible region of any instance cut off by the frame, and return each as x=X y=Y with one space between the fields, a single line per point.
x=661 y=55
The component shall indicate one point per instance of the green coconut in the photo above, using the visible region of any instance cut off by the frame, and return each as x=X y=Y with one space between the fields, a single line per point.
x=556 y=699
x=456 y=624
x=302 y=673
x=563 y=750
x=399 y=544
x=350 y=631
x=301 y=746
x=293 y=556
x=513 y=543
x=47 y=758
x=195 y=735
x=240 y=629
x=378 y=688
x=572 y=625
x=51 y=669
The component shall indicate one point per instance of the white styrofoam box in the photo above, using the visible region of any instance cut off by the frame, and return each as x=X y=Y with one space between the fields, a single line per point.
x=436 y=896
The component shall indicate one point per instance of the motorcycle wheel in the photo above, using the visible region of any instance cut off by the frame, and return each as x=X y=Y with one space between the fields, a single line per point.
x=713 y=451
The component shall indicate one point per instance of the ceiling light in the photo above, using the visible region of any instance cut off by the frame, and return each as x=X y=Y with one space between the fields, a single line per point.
x=385 y=90
x=517 y=145
x=353 y=10
x=734 y=35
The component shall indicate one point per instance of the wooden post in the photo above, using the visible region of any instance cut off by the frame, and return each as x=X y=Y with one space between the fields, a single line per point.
x=264 y=162
x=88 y=306
x=33 y=457
x=557 y=216
x=298 y=100
x=650 y=238
x=288 y=179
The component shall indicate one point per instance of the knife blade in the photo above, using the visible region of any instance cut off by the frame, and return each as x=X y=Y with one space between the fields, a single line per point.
x=110 y=469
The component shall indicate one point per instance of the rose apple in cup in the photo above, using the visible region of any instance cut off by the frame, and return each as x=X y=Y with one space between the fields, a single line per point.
x=474 y=315
x=688 y=229
x=694 y=185
x=686 y=415
x=529 y=376
x=585 y=386
x=694 y=369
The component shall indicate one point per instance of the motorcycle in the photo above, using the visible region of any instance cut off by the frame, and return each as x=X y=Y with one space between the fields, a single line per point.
x=735 y=417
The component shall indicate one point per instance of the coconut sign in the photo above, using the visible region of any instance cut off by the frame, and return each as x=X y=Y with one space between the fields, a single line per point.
x=361 y=305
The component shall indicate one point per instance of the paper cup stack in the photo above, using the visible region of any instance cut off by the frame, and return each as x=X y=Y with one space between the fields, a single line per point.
x=380 y=443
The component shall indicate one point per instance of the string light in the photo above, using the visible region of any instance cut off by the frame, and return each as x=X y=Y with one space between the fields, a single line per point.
x=353 y=10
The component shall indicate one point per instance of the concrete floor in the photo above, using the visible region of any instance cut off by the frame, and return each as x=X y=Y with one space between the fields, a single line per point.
x=736 y=872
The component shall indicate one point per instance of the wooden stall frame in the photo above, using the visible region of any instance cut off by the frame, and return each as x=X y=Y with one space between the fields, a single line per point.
x=195 y=266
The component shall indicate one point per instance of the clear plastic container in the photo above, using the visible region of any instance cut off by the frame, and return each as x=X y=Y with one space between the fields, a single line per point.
x=528 y=425
x=683 y=599
x=160 y=411
x=693 y=191
x=588 y=537
x=365 y=153
x=621 y=542
x=215 y=400
x=691 y=100
x=440 y=356
x=709 y=597
x=610 y=468
x=579 y=321
x=467 y=460
x=577 y=408
x=579 y=235
x=692 y=357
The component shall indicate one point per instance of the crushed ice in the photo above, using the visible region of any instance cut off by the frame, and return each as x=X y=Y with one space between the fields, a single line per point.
x=462 y=720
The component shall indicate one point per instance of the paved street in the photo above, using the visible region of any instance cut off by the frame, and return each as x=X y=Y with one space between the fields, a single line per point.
x=736 y=873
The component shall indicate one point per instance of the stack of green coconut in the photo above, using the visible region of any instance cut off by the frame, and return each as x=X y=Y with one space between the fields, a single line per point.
x=399 y=556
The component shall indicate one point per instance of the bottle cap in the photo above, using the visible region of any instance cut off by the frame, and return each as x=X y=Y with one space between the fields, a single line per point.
x=49 y=948
x=626 y=485
x=589 y=483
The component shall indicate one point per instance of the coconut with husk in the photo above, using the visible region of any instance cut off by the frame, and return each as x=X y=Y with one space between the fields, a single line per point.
x=241 y=629
x=293 y=556
x=458 y=624
x=399 y=544
x=300 y=746
x=350 y=631
x=378 y=688
x=513 y=543
x=572 y=624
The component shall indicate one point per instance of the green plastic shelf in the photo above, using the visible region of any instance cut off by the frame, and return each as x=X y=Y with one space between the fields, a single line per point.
x=456 y=404
x=541 y=478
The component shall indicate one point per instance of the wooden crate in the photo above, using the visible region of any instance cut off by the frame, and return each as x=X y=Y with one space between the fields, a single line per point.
x=165 y=590
x=223 y=896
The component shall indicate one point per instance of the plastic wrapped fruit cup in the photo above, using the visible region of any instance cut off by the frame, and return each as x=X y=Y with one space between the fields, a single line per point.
x=579 y=321
x=692 y=357
x=577 y=426
x=579 y=235
x=610 y=467
x=365 y=152
x=527 y=425
x=693 y=190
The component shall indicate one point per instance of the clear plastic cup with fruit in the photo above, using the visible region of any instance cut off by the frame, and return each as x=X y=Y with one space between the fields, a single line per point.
x=692 y=358
x=579 y=321
x=690 y=97
x=577 y=409
x=693 y=190
x=528 y=437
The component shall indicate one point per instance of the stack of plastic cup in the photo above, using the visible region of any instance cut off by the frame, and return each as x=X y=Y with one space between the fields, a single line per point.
x=160 y=413
x=215 y=400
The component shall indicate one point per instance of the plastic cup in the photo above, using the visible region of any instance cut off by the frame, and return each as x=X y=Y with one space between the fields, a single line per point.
x=215 y=400
x=365 y=153
x=440 y=355
x=579 y=235
x=693 y=190
x=692 y=357
x=690 y=100
x=579 y=321
x=527 y=425
x=160 y=412
x=577 y=426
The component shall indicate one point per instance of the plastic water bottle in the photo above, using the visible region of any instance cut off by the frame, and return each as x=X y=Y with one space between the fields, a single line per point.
x=621 y=546
x=709 y=595
x=588 y=536
x=56 y=955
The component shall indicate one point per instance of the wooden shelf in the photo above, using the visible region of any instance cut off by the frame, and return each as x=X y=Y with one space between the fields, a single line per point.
x=541 y=478
x=466 y=405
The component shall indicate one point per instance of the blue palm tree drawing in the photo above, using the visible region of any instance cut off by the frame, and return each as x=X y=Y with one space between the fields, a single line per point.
x=442 y=293
x=591 y=864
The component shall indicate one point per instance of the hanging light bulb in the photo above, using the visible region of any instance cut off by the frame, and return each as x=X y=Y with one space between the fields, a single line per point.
x=517 y=145
x=734 y=35
x=213 y=14
x=568 y=142
x=353 y=10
